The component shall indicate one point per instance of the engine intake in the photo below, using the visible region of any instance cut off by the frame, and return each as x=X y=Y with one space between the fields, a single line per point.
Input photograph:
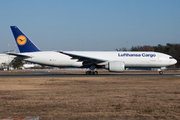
x=115 y=66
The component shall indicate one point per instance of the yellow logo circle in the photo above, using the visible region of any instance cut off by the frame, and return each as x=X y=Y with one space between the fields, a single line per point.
x=21 y=40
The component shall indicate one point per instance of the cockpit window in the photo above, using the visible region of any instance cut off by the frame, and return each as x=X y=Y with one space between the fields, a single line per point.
x=171 y=58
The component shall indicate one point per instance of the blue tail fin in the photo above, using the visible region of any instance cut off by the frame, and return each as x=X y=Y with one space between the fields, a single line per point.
x=24 y=44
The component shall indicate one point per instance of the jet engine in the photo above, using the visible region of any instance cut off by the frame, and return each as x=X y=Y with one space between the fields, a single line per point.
x=115 y=66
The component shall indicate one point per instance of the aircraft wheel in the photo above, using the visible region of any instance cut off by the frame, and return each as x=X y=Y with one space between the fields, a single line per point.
x=160 y=72
x=87 y=72
x=95 y=72
x=91 y=72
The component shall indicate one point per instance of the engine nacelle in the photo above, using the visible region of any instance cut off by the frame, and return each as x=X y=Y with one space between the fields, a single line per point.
x=115 y=66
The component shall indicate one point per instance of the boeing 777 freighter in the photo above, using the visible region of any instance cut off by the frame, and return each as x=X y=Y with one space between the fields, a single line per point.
x=113 y=61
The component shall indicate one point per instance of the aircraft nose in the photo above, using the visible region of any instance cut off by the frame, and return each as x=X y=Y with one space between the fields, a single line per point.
x=173 y=61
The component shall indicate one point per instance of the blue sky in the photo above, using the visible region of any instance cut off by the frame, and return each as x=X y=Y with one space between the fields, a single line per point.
x=83 y=24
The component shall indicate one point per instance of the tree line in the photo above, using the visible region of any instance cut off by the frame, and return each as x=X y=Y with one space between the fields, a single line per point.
x=170 y=49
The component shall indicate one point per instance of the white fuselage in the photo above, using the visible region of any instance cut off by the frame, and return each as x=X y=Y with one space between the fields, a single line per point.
x=131 y=59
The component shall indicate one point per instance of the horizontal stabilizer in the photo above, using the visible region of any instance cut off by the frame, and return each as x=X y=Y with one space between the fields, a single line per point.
x=19 y=55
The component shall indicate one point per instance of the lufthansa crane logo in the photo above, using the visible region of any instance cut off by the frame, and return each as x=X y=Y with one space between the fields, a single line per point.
x=21 y=40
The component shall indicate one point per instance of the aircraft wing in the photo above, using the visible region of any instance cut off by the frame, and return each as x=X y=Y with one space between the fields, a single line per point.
x=84 y=59
x=19 y=55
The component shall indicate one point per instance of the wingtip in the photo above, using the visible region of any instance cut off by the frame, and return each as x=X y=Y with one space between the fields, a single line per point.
x=61 y=51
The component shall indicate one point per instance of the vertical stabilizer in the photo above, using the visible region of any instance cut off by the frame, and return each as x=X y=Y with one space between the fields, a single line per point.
x=24 y=44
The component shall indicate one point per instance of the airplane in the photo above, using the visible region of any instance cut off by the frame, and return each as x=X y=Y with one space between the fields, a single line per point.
x=27 y=66
x=113 y=61
x=5 y=60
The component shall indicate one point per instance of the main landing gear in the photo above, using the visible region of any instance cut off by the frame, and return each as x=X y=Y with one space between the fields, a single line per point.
x=91 y=72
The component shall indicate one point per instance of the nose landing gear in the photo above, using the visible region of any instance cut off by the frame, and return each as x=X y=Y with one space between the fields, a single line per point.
x=161 y=72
